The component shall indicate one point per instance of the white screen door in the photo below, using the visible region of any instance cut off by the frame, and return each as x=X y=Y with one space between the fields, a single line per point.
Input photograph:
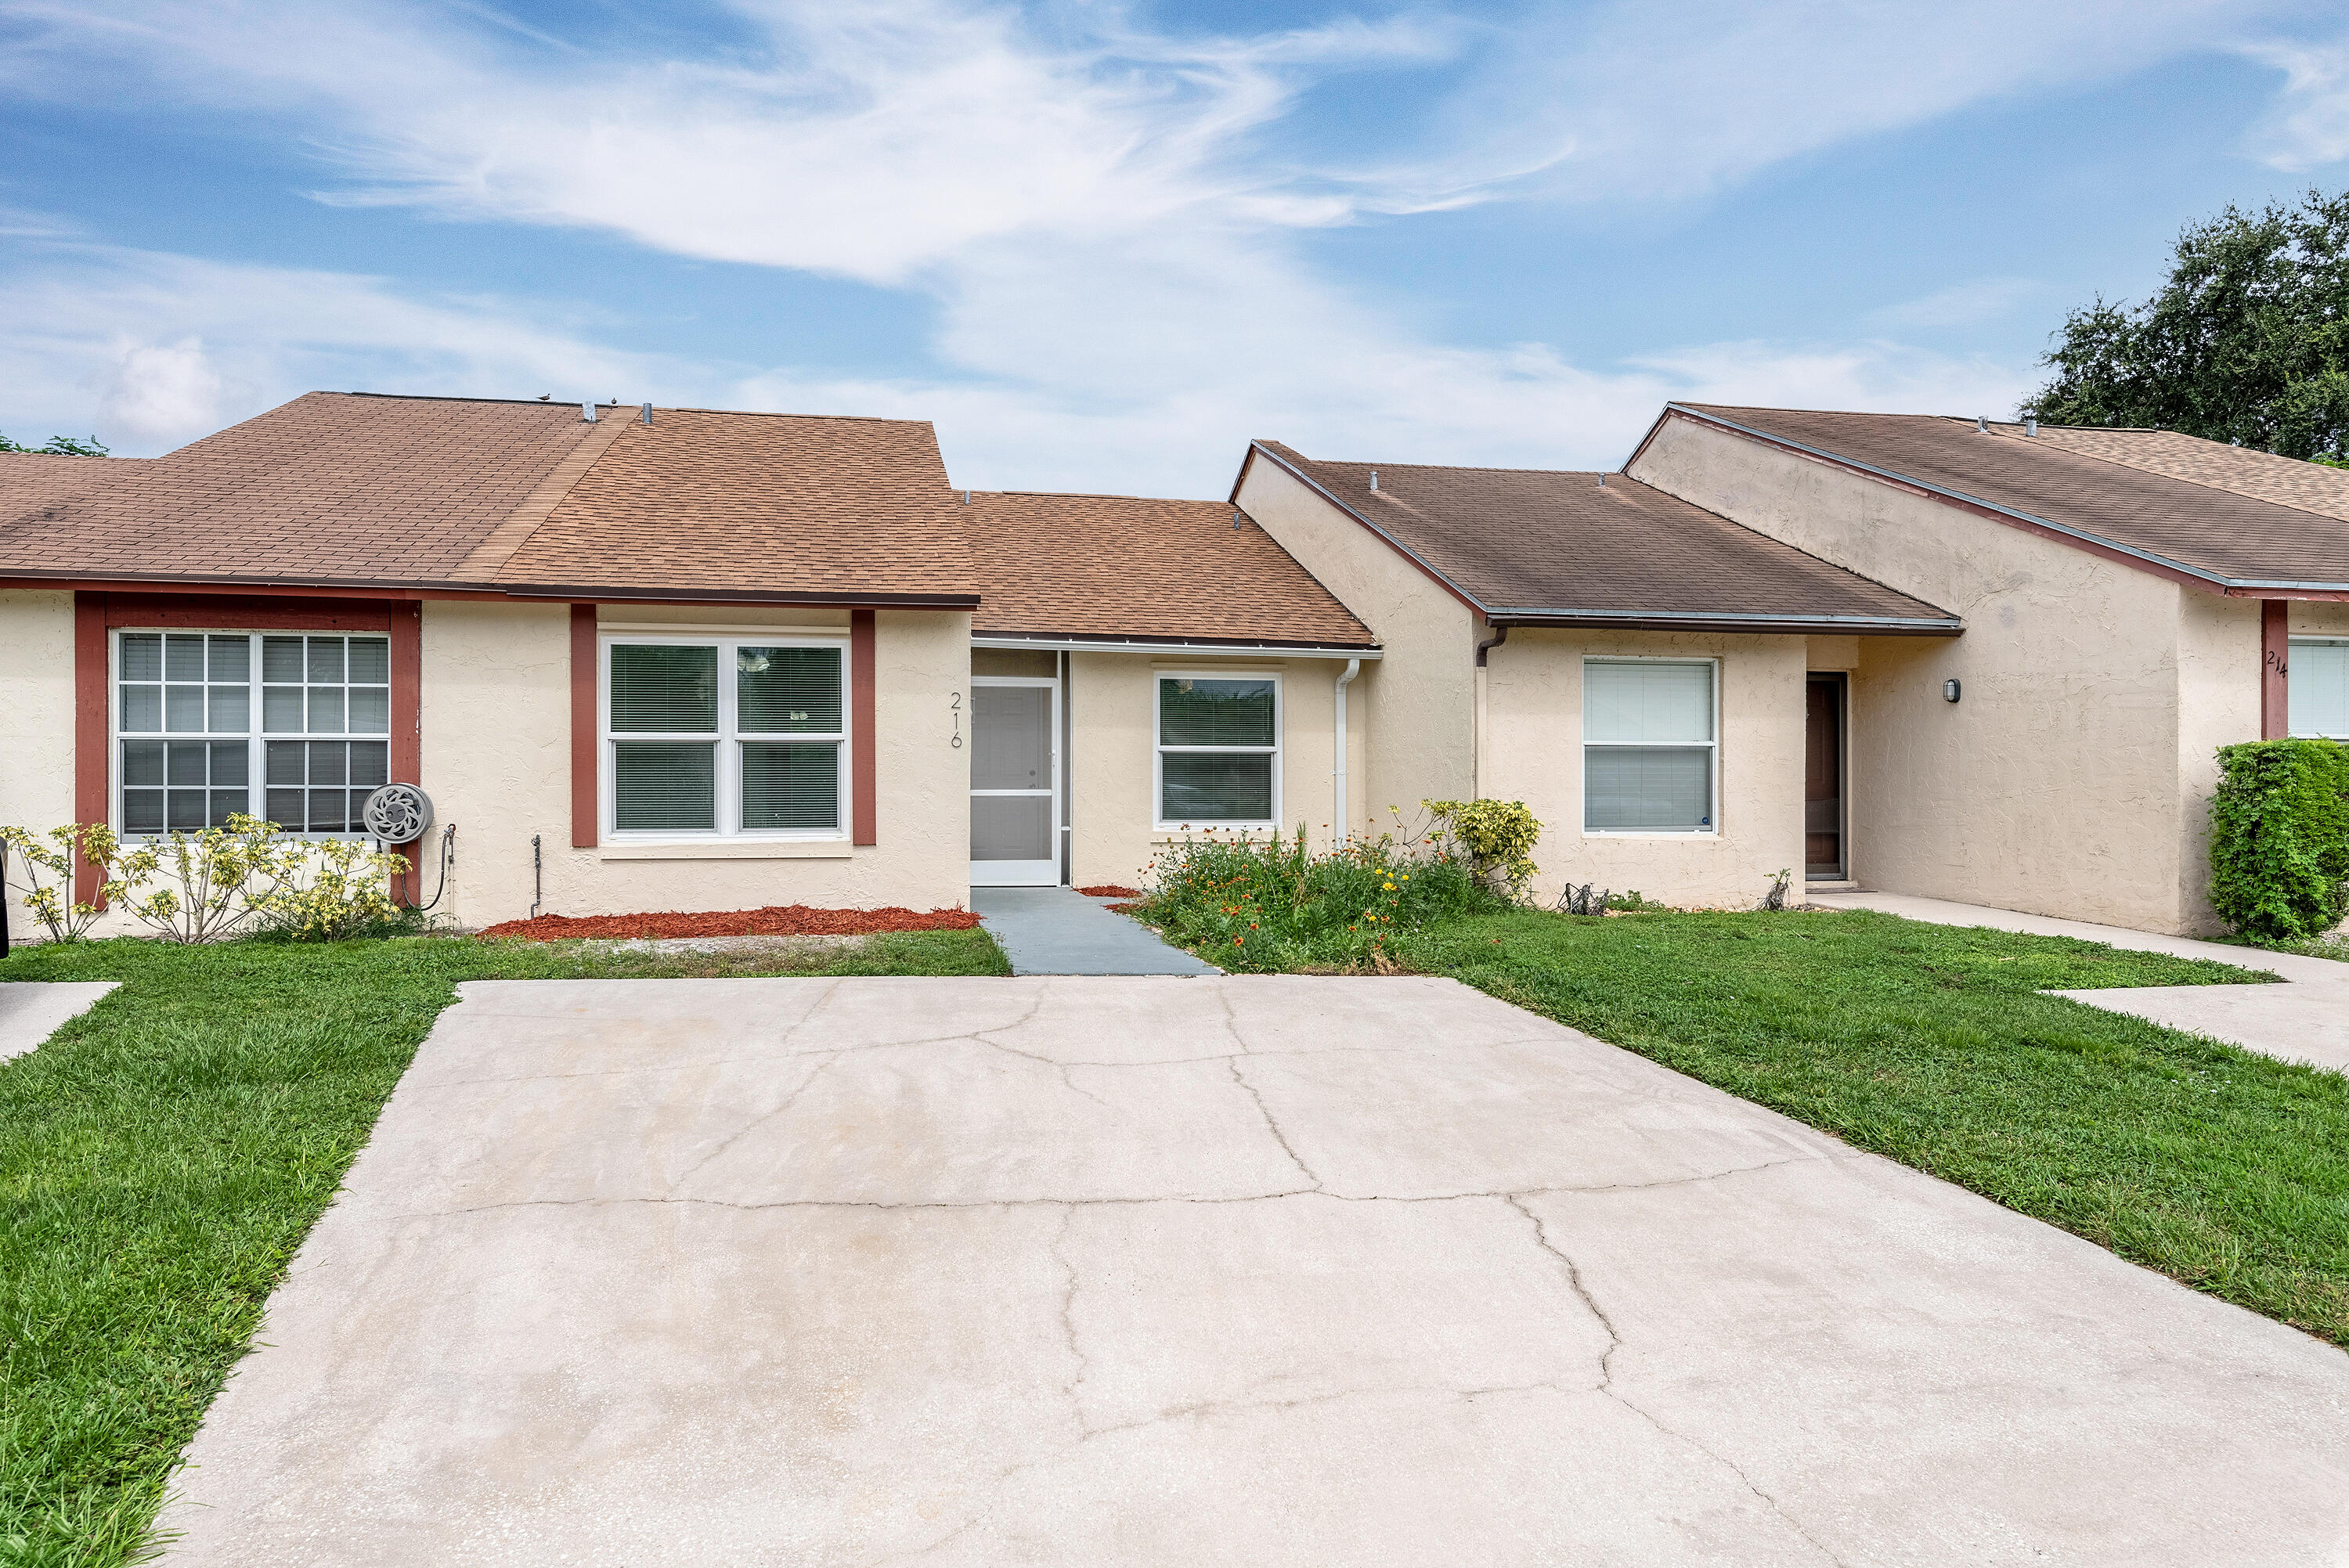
x=1015 y=776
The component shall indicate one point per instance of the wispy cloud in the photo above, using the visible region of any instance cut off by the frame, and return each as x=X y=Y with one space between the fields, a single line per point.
x=1965 y=304
x=2309 y=124
x=1103 y=218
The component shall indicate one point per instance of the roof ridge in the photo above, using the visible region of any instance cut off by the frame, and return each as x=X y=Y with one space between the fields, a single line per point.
x=484 y=561
x=658 y=408
x=1105 y=495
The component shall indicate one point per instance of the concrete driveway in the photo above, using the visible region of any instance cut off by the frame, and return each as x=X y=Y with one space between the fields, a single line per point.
x=1249 y=1271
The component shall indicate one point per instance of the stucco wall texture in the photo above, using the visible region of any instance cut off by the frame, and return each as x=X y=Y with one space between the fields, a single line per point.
x=1535 y=734
x=496 y=761
x=36 y=692
x=2071 y=775
x=1418 y=700
x=1115 y=831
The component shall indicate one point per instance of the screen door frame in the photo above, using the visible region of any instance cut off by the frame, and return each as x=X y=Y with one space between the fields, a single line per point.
x=1044 y=873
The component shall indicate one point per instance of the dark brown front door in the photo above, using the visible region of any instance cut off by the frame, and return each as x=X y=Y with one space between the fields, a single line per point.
x=1822 y=780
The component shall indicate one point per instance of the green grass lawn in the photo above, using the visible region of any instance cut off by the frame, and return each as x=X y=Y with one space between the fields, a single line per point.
x=2223 y=1169
x=162 y=1156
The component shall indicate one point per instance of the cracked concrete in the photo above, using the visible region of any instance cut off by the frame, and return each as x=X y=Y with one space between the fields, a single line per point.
x=1303 y=1272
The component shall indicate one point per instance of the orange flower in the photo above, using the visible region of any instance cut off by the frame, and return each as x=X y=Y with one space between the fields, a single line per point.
x=1238 y=941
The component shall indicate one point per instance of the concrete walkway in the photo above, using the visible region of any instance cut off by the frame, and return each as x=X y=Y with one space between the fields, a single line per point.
x=1233 y=1270
x=32 y=1010
x=1059 y=931
x=2305 y=1020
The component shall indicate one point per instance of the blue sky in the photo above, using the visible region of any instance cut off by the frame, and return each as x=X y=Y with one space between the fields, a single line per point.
x=1101 y=246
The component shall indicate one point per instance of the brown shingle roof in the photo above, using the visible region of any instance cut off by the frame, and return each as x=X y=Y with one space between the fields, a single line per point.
x=2217 y=512
x=1544 y=544
x=30 y=481
x=706 y=502
x=1078 y=566
x=420 y=493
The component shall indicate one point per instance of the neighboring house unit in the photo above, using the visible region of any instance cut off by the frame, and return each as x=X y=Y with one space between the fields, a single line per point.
x=2134 y=600
x=1661 y=685
x=669 y=658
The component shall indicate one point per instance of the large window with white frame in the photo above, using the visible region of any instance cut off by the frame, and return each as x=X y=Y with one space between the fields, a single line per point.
x=1218 y=750
x=724 y=736
x=2316 y=680
x=292 y=727
x=1650 y=746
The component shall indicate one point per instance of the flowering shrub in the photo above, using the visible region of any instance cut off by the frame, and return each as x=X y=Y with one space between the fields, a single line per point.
x=50 y=902
x=213 y=879
x=212 y=883
x=1273 y=904
x=330 y=890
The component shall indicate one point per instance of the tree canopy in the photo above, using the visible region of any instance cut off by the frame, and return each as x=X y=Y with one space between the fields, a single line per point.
x=60 y=447
x=2247 y=341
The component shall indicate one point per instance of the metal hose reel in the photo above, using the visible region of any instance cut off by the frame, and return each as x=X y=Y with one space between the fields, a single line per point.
x=398 y=813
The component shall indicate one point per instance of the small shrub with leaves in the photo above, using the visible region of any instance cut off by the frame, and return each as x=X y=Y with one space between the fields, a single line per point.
x=45 y=876
x=212 y=880
x=331 y=892
x=1495 y=836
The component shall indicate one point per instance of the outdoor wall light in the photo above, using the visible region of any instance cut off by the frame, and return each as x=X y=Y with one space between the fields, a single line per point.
x=1949 y=691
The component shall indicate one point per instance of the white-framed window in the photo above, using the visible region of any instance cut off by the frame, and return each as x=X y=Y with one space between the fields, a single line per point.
x=1218 y=749
x=1650 y=758
x=2316 y=681
x=724 y=736
x=293 y=726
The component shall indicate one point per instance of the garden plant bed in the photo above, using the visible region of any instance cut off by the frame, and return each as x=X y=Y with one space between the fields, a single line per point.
x=1111 y=890
x=775 y=920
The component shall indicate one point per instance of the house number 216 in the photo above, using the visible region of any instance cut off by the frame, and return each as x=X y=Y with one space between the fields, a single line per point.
x=956 y=708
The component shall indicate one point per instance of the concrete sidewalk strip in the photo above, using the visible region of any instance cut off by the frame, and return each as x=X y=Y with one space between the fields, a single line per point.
x=1059 y=931
x=2303 y=1023
x=1234 y=1269
x=32 y=1010
x=2304 y=1020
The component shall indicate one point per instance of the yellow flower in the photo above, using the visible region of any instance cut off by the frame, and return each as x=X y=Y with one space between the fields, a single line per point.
x=1389 y=887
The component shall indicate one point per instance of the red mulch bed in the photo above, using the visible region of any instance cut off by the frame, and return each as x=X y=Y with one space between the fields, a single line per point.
x=775 y=920
x=1111 y=890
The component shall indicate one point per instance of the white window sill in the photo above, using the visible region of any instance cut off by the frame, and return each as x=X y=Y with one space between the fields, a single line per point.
x=1653 y=833
x=731 y=849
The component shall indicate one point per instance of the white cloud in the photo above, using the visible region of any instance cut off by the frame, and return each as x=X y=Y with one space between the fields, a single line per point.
x=152 y=350
x=1109 y=250
x=2309 y=124
x=1965 y=304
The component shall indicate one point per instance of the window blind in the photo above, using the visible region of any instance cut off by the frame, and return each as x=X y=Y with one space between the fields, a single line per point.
x=784 y=691
x=2317 y=680
x=665 y=786
x=1216 y=786
x=1215 y=712
x=789 y=787
x=664 y=690
x=1648 y=746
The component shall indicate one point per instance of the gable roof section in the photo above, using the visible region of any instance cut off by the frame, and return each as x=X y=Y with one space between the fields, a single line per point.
x=357 y=490
x=1104 y=567
x=717 y=504
x=1547 y=546
x=2215 y=515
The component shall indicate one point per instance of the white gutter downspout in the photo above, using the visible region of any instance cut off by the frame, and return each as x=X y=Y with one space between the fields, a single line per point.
x=1338 y=820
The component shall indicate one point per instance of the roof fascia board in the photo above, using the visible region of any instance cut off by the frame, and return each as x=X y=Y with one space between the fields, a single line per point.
x=1171 y=645
x=2080 y=539
x=1393 y=544
x=1733 y=620
x=362 y=589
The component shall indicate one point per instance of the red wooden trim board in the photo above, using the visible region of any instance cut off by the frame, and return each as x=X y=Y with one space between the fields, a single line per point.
x=2275 y=667
x=863 y=793
x=585 y=743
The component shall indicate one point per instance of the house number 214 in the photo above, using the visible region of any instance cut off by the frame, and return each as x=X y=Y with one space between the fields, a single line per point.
x=956 y=708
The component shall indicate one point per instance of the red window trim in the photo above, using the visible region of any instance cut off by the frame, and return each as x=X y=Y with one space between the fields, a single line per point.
x=96 y=614
x=586 y=813
x=862 y=794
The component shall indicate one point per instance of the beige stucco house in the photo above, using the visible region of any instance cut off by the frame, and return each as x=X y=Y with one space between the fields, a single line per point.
x=667 y=659
x=654 y=658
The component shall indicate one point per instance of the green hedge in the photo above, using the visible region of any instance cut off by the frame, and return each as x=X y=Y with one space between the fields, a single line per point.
x=2280 y=837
